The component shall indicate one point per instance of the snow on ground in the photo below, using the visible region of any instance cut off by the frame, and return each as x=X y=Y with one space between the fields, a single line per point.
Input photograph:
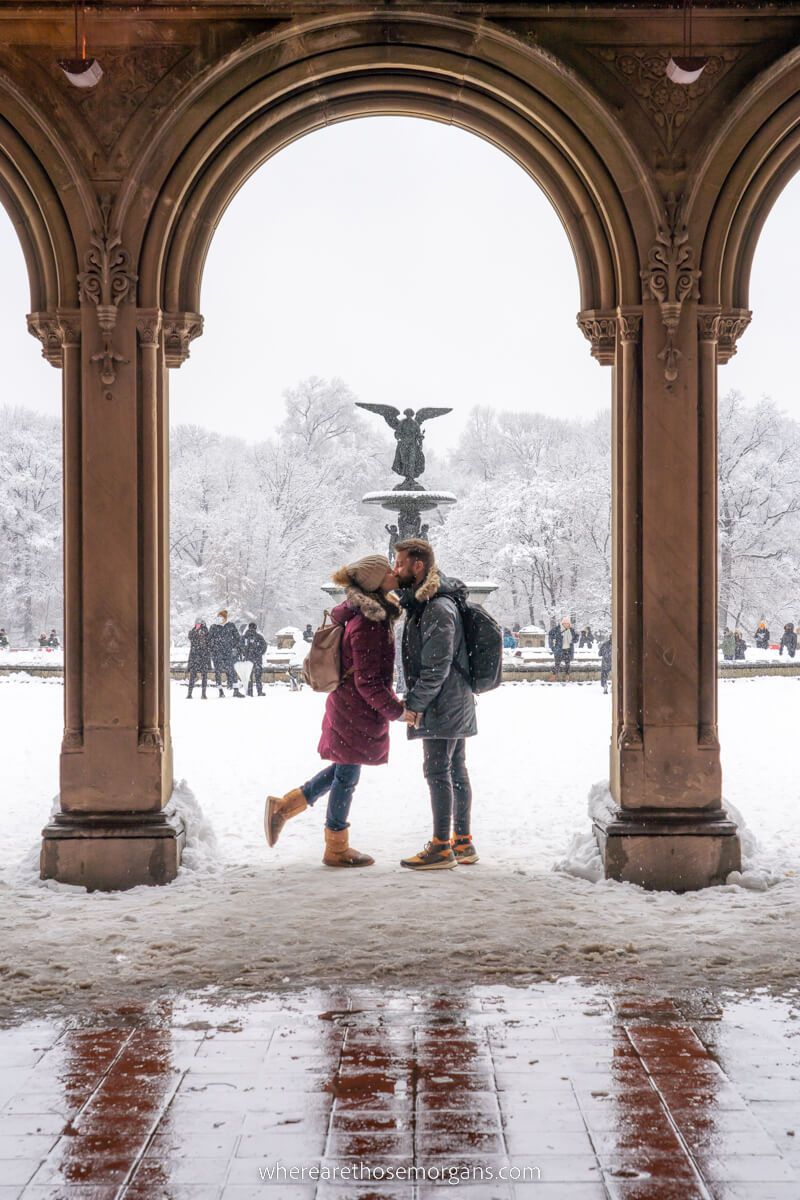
x=241 y=913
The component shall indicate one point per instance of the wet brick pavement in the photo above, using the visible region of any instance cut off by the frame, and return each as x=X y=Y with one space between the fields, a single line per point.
x=554 y=1091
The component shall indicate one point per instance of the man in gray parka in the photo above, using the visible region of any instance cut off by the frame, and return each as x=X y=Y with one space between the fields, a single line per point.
x=440 y=706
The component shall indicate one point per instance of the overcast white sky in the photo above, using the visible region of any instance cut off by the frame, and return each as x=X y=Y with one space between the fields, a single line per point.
x=419 y=264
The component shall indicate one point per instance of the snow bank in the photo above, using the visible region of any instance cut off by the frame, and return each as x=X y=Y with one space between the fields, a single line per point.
x=242 y=915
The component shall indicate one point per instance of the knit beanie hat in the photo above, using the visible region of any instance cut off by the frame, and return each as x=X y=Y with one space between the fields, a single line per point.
x=369 y=572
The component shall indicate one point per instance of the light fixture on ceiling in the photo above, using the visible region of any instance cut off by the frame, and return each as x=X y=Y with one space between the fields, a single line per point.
x=81 y=71
x=686 y=68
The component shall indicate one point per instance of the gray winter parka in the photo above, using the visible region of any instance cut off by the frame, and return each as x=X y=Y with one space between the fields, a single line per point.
x=433 y=639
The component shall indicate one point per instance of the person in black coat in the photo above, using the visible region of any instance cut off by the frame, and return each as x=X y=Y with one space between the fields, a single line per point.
x=605 y=664
x=308 y=634
x=254 y=647
x=554 y=642
x=762 y=636
x=52 y=640
x=224 y=644
x=789 y=640
x=3 y=640
x=42 y=641
x=740 y=646
x=199 y=658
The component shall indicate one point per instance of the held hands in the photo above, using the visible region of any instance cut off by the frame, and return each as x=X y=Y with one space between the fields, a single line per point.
x=412 y=718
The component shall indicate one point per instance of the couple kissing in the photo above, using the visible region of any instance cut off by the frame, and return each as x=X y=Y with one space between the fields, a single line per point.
x=439 y=706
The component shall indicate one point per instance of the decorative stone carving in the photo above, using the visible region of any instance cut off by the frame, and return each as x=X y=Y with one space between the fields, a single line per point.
x=148 y=326
x=630 y=325
x=54 y=331
x=179 y=330
x=107 y=282
x=130 y=76
x=708 y=324
x=732 y=324
x=670 y=106
x=600 y=329
x=45 y=327
x=671 y=277
x=150 y=739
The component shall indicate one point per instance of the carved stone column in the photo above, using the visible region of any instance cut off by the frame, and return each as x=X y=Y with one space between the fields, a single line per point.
x=670 y=830
x=116 y=769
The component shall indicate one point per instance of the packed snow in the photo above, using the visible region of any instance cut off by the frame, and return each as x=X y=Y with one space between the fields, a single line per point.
x=534 y=907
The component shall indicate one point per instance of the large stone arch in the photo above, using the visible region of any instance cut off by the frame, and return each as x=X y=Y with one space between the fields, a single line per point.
x=285 y=85
x=232 y=101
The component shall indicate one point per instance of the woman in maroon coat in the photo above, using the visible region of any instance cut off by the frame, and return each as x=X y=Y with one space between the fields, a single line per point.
x=355 y=728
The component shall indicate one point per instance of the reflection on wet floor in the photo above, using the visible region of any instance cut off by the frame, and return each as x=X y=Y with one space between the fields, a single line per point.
x=558 y=1090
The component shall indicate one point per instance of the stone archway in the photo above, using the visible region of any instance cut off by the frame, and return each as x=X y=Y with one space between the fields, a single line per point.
x=209 y=119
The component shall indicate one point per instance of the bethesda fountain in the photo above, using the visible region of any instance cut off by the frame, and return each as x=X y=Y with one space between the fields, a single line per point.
x=408 y=500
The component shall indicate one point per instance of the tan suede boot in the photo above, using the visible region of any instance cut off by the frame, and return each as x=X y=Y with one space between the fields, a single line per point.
x=278 y=811
x=338 y=852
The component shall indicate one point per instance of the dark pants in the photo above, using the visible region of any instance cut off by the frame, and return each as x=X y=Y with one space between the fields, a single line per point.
x=193 y=677
x=339 y=780
x=255 y=678
x=222 y=667
x=605 y=674
x=445 y=768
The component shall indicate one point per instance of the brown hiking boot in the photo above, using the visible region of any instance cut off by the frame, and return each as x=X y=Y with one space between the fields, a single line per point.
x=436 y=856
x=338 y=852
x=464 y=849
x=278 y=811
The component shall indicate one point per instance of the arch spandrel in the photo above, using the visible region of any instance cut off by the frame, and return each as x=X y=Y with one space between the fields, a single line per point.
x=739 y=175
x=286 y=84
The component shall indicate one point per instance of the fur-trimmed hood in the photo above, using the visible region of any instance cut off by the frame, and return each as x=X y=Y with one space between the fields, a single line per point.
x=375 y=607
x=434 y=584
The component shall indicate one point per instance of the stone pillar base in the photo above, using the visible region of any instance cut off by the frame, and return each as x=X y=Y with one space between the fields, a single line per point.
x=669 y=849
x=109 y=852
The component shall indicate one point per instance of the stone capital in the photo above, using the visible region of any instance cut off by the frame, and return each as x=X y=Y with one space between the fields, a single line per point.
x=630 y=324
x=600 y=330
x=732 y=324
x=708 y=316
x=180 y=329
x=55 y=330
x=148 y=326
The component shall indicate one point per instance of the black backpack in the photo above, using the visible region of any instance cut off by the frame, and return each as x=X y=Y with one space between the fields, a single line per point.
x=483 y=638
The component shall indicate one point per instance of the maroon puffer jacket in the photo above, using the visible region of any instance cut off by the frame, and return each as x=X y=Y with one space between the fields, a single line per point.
x=355 y=728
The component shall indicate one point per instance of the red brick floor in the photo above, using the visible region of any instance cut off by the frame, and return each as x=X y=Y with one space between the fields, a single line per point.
x=555 y=1091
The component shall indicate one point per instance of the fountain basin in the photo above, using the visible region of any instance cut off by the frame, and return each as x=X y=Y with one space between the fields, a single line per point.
x=408 y=501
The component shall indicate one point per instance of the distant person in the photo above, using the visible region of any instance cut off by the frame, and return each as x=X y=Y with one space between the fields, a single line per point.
x=254 y=647
x=308 y=633
x=509 y=641
x=728 y=645
x=52 y=640
x=3 y=640
x=224 y=644
x=740 y=646
x=554 y=642
x=589 y=643
x=42 y=641
x=199 y=658
x=562 y=642
x=762 y=636
x=789 y=640
x=605 y=664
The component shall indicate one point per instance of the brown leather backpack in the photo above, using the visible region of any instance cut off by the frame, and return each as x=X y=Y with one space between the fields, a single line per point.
x=322 y=668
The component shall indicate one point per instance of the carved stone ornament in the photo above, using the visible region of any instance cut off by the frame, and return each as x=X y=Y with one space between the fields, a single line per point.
x=732 y=324
x=179 y=330
x=54 y=331
x=107 y=282
x=671 y=277
x=150 y=739
x=600 y=329
x=670 y=106
x=148 y=326
x=630 y=325
x=45 y=327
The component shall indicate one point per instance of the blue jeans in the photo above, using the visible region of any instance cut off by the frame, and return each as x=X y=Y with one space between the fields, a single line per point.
x=339 y=780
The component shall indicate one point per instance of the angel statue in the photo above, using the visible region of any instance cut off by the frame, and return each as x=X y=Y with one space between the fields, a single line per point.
x=409 y=461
